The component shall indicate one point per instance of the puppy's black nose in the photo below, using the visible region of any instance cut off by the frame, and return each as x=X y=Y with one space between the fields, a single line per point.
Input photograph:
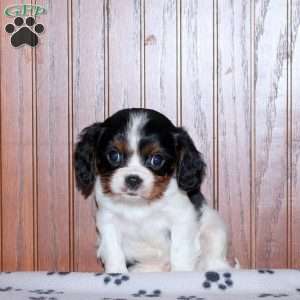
x=133 y=182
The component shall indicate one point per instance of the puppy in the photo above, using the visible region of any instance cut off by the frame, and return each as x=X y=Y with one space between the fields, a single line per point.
x=151 y=216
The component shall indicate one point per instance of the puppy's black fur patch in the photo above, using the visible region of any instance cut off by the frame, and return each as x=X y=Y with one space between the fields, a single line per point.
x=84 y=158
x=191 y=166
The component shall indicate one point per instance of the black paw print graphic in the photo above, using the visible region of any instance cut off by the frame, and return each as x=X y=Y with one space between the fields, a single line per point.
x=215 y=278
x=58 y=273
x=45 y=292
x=143 y=293
x=266 y=271
x=5 y=289
x=42 y=298
x=273 y=295
x=116 y=278
x=189 y=298
x=113 y=298
x=24 y=34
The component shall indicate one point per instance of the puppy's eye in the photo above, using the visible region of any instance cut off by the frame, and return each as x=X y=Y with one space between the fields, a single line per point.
x=114 y=157
x=156 y=161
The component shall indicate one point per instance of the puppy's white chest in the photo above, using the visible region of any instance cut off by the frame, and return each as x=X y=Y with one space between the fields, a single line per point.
x=145 y=238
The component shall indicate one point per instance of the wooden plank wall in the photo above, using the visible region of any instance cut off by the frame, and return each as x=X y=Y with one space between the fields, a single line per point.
x=228 y=71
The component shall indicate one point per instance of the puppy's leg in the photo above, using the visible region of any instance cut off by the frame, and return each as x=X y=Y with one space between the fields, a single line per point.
x=109 y=249
x=213 y=241
x=184 y=248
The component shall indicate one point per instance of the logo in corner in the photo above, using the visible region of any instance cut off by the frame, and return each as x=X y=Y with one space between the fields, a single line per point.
x=24 y=29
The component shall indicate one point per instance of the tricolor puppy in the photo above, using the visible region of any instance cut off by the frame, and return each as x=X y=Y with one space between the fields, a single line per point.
x=146 y=174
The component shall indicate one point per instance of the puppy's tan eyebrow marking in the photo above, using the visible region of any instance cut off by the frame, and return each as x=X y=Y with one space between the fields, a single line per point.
x=121 y=145
x=150 y=148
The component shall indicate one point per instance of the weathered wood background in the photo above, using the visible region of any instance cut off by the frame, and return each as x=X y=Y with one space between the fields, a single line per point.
x=229 y=71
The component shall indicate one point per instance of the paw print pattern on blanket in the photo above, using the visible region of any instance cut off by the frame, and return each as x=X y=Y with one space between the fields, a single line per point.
x=42 y=298
x=45 y=292
x=106 y=298
x=268 y=271
x=58 y=273
x=214 y=278
x=273 y=295
x=8 y=289
x=5 y=289
x=116 y=278
x=143 y=293
x=190 y=298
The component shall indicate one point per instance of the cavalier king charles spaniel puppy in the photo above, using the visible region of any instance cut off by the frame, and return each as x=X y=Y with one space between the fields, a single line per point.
x=151 y=216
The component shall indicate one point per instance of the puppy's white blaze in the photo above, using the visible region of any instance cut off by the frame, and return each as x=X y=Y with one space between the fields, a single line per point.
x=136 y=122
x=134 y=165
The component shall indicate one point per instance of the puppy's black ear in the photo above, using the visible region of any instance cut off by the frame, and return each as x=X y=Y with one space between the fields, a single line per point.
x=190 y=166
x=84 y=158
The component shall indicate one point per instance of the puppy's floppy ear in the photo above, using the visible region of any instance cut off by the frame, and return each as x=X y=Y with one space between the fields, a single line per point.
x=84 y=158
x=190 y=166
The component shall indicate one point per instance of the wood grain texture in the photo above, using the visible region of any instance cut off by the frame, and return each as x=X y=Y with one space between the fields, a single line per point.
x=88 y=91
x=295 y=205
x=52 y=139
x=234 y=123
x=160 y=56
x=16 y=151
x=271 y=133
x=124 y=54
x=218 y=67
x=197 y=80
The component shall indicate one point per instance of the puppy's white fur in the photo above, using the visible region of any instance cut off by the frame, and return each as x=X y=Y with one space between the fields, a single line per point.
x=163 y=236
x=166 y=234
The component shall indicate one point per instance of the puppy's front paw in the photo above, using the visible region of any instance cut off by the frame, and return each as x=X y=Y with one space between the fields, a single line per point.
x=182 y=267
x=114 y=268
